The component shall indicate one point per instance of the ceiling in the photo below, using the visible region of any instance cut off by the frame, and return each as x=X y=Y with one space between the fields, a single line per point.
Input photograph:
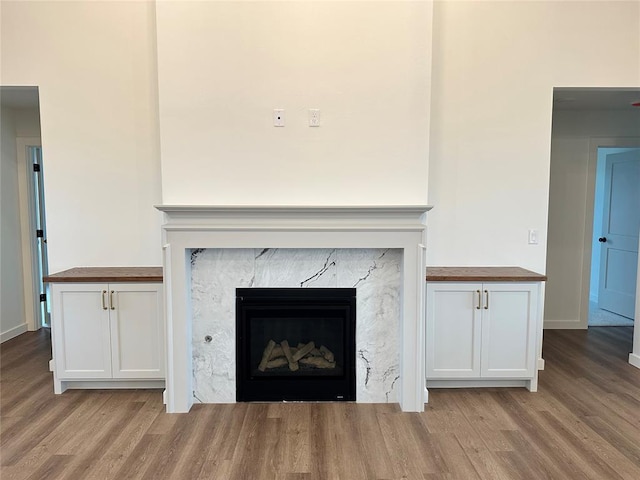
x=19 y=97
x=595 y=98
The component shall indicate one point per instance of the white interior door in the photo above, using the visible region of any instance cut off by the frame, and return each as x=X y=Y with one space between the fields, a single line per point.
x=620 y=229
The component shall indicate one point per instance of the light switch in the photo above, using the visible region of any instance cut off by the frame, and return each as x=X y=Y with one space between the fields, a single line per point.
x=314 y=117
x=533 y=237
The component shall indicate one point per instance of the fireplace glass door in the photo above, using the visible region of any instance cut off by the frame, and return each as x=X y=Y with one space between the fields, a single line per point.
x=295 y=344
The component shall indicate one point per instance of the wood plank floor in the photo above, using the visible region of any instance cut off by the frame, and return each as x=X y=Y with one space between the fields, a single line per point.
x=584 y=423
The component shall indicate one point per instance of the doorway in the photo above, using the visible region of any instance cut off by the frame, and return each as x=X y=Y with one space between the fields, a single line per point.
x=33 y=231
x=616 y=223
x=40 y=259
x=583 y=121
x=24 y=208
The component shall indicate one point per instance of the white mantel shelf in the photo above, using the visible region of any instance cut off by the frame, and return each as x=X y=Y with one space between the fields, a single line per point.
x=277 y=217
x=189 y=227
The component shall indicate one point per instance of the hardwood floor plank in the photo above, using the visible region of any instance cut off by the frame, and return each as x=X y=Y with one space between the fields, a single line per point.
x=458 y=465
x=63 y=433
x=406 y=438
x=26 y=434
x=246 y=456
x=141 y=458
x=548 y=446
x=168 y=453
x=377 y=460
x=296 y=452
x=586 y=453
x=121 y=447
x=53 y=468
x=194 y=452
x=324 y=444
x=222 y=442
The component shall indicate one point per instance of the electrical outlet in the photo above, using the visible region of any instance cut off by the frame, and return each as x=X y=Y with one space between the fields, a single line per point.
x=278 y=117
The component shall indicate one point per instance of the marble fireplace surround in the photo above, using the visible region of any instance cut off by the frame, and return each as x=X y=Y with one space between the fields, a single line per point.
x=190 y=227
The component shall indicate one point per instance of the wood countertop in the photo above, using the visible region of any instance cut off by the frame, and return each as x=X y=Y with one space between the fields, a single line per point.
x=107 y=274
x=482 y=274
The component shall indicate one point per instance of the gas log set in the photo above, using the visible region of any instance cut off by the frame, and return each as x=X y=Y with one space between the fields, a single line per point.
x=305 y=356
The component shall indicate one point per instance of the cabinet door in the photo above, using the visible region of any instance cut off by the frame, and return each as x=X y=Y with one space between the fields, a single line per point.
x=137 y=330
x=80 y=331
x=509 y=330
x=453 y=330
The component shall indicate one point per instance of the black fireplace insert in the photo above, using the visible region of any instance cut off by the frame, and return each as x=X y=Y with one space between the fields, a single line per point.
x=295 y=344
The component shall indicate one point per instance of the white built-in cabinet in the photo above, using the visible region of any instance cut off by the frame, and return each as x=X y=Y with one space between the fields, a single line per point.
x=482 y=334
x=107 y=335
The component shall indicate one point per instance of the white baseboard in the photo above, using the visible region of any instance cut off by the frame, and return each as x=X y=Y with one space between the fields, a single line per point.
x=13 y=332
x=110 y=384
x=634 y=360
x=563 y=325
x=541 y=364
x=476 y=383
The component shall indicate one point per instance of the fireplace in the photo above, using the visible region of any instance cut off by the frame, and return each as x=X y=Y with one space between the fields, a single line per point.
x=200 y=316
x=295 y=344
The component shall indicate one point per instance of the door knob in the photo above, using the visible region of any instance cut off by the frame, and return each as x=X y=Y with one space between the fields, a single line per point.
x=602 y=239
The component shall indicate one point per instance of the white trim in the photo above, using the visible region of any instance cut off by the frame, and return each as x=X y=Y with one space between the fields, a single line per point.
x=203 y=226
x=13 y=332
x=541 y=363
x=109 y=384
x=634 y=360
x=480 y=383
x=27 y=231
x=564 y=325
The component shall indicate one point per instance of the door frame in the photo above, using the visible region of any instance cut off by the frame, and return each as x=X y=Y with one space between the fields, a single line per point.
x=28 y=233
x=594 y=144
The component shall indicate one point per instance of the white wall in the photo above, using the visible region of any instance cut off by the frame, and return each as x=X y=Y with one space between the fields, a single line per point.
x=576 y=137
x=12 y=317
x=224 y=66
x=494 y=68
x=27 y=121
x=95 y=65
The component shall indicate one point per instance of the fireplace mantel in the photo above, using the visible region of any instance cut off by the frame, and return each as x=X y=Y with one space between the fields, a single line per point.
x=189 y=227
x=296 y=217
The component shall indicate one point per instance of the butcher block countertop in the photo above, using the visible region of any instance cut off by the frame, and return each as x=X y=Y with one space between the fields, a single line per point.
x=482 y=274
x=107 y=274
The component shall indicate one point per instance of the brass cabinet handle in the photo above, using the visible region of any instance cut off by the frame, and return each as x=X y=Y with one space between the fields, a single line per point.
x=104 y=305
x=111 y=300
x=486 y=305
x=479 y=299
